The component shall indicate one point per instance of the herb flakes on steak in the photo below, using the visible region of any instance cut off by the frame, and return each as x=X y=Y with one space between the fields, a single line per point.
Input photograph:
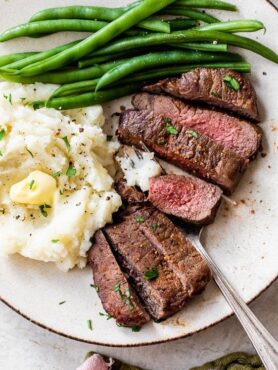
x=221 y=87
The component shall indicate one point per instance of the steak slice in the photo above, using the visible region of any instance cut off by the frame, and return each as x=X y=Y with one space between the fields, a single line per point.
x=191 y=199
x=129 y=194
x=147 y=241
x=208 y=85
x=108 y=275
x=237 y=134
x=183 y=147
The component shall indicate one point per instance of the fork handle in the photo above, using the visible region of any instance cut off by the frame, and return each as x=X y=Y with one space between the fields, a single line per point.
x=264 y=343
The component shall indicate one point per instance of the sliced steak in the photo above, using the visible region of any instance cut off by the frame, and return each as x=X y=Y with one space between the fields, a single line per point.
x=191 y=199
x=237 y=134
x=108 y=275
x=145 y=242
x=129 y=194
x=208 y=85
x=183 y=147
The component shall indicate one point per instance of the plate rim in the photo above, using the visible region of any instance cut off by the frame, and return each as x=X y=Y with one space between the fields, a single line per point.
x=189 y=334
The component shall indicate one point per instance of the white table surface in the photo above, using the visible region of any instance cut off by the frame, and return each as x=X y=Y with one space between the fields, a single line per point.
x=24 y=346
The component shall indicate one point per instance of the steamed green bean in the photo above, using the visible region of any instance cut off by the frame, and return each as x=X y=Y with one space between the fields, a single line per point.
x=11 y=58
x=202 y=46
x=191 y=13
x=207 y=4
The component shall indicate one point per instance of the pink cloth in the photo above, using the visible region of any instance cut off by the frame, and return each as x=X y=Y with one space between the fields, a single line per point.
x=96 y=362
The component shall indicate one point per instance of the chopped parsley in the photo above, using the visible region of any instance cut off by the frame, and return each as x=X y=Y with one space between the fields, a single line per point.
x=152 y=274
x=1 y=154
x=128 y=296
x=95 y=287
x=193 y=134
x=108 y=317
x=63 y=302
x=57 y=174
x=161 y=142
x=232 y=83
x=90 y=324
x=117 y=289
x=171 y=129
x=154 y=226
x=29 y=151
x=43 y=208
x=2 y=134
x=66 y=141
x=168 y=121
x=140 y=219
x=31 y=184
x=136 y=329
x=124 y=297
x=9 y=98
x=71 y=171
x=215 y=94
x=55 y=241
x=109 y=137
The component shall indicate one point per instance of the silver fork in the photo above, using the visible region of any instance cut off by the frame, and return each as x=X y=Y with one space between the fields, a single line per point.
x=264 y=343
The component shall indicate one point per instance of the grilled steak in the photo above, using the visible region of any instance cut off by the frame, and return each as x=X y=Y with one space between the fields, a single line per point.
x=208 y=85
x=128 y=193
x=162 y=264
x=191 y=199
x=108 y=277
x=237 y=134
x=183 y=147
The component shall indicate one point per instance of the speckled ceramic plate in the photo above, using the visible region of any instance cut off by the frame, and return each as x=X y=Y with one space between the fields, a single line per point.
x=243 y=240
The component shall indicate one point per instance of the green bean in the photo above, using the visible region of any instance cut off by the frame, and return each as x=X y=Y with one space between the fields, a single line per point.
x=11 y=58
x=101 y=13
x=181 y=24
x=247 y=25
x=202 y=46
x=157 y=59
x=66 y=76
x=208 y=4
x=191 y=13
x=195 y=35
x=100 y=38
x=81 y=87
x=36 y=57
x=51 y=26
x=85 y=100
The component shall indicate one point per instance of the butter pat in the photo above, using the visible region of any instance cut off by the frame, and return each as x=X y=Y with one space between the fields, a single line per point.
x=37 y=188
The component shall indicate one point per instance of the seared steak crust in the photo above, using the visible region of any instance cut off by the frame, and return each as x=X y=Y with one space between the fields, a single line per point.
x=237 y=134
x=155 y=243
x=191 y=199
x=187 y=149
x=128 y=193
x=208 y=85
x=107 y=274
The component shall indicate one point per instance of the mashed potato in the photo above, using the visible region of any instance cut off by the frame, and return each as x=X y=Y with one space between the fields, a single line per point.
x=72 y=148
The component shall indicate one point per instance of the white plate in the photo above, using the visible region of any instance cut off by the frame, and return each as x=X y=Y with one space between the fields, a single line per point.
x=243 y=241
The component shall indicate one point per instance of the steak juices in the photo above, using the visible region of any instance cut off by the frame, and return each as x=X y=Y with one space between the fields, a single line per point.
x=143 y=252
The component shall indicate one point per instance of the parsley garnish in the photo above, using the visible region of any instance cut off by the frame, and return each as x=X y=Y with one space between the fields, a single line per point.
x=60 y=303
x=31 y=184
x=128 y=296
x=90 y=324
x=154 y=226
x=43 y=208
x=215 y=94
x=71 y=171
x=232 y=82
x=2 y=134
x=124 y=297
x=108 y=317
x=152 y=274
x=109 y=137
x=167 y=120
x=95 y=287
x=140 y=219
x=29 y=151
x=55 y=241
x=66 y=141
x=1 y=154
x=57 y=174
x=9 y=98
x=136 y=329
x=171 y=129
x=161 y=142
x=193 y=134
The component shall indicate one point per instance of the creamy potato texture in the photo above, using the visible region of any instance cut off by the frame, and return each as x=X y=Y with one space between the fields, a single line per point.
x=39 y=218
